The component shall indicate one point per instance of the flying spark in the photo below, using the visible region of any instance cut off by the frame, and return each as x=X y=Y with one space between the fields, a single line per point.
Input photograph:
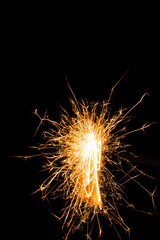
x=83 y=153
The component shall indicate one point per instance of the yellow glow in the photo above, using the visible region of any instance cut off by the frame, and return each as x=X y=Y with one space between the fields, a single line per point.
x=91 y=166
x=81 y=152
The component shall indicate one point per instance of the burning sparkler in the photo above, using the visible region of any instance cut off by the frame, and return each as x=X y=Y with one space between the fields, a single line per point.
x=82 y=153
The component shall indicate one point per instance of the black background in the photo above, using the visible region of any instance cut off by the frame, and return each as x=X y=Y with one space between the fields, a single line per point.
x=39 y=54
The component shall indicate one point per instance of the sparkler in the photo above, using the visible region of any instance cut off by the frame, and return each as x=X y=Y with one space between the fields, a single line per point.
x=82 y=153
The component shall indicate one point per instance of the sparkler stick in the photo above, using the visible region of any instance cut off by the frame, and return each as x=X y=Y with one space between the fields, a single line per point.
x=83 y=151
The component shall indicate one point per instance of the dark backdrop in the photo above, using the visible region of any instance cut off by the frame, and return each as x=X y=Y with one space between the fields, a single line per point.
x=37 y=60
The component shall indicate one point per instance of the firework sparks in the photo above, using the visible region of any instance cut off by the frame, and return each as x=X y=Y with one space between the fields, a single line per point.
x=82 y=153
